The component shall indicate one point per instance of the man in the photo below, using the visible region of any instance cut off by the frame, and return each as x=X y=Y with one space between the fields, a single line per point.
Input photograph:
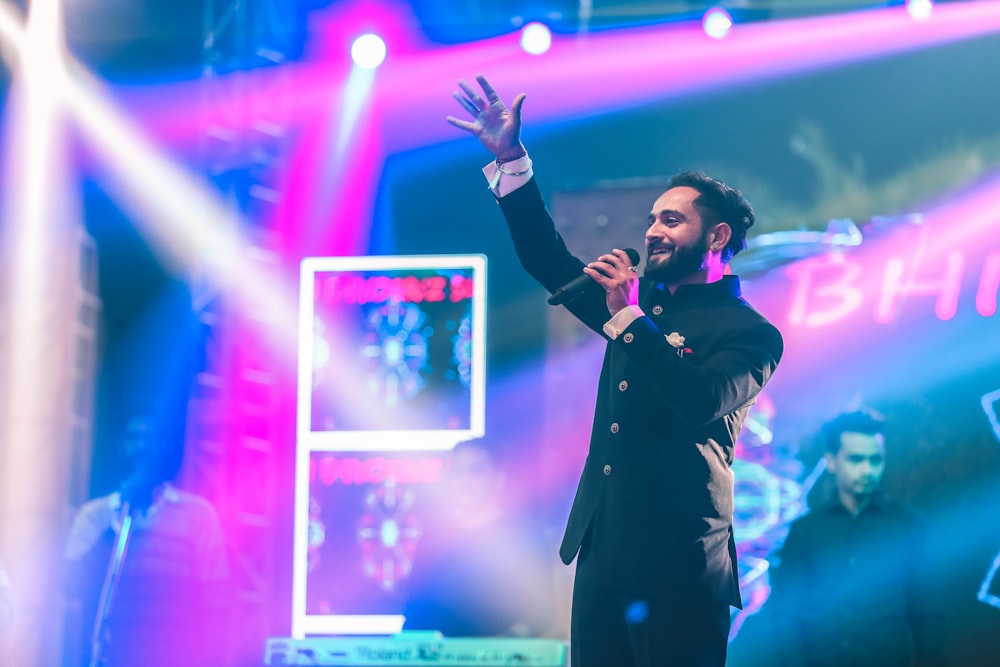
x=651 y=523
x=850 y=586
x=169 y=607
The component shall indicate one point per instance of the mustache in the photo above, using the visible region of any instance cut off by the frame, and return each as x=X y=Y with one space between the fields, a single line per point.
x=653 y=247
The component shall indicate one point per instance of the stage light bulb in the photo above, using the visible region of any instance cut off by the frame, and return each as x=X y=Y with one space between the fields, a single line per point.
x=536 y=38
x=717 y=23
x=368 y=51
x=919 y=10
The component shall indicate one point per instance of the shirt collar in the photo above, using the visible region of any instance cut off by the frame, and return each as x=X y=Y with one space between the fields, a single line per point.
x=878 y=503
x=168 y=494
x=727 y=286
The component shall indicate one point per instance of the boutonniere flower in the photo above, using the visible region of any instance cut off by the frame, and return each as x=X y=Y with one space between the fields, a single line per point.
x=676 y=340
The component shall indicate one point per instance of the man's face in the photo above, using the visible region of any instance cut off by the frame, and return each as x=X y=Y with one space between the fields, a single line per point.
x=859 y=464
x=676 y=240
x=144 y=448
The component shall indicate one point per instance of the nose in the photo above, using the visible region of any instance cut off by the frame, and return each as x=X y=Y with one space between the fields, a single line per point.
x=654 y=232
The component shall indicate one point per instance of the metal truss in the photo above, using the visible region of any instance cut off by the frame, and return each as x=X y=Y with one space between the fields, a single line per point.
x=234 y=450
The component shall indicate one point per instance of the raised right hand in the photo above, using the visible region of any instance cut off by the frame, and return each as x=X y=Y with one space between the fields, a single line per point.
x=496 y=126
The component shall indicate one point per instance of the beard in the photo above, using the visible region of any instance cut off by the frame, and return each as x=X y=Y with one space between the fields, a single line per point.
x=682 y=262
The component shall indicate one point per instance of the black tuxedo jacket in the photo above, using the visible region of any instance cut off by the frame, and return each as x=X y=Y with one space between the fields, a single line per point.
x=656 y=491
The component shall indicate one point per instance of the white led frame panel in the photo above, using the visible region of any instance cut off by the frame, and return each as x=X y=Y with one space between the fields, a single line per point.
x=311 y=439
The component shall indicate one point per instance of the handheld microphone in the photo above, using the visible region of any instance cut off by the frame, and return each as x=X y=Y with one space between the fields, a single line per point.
x=575 y=287
x=137 y=493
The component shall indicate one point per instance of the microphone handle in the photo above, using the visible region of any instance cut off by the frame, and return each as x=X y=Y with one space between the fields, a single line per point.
x=576 y=287
x=99 y=635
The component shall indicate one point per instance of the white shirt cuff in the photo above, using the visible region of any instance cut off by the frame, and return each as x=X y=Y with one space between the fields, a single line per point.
x=621 y=320
x=503 y=184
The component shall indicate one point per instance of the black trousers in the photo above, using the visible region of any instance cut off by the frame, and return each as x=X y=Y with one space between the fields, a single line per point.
x=666 y=629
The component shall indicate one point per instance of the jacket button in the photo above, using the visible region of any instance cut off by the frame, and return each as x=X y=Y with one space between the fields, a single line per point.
x=623 y=385
x=614 y=427
x=628 y=337
x=657 y=309
x=607 y=470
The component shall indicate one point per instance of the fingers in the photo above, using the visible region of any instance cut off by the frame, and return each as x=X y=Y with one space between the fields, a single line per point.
x=462 y=124
x=515 y=107
x=625 y=259
x=597 y=276
x=608 y=269
x=467 y=104
x=472 y=101
x=619 y=260
x=615 y=273
x=496 y=126
x=491 y=95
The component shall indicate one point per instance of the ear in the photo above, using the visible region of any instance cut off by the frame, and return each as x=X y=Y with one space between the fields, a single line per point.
x=719 y=237
x=831 y=462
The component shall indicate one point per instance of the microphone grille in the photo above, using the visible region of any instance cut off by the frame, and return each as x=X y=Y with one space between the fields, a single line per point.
x=633 y=256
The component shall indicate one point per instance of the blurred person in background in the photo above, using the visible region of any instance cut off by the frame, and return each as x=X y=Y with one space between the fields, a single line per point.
x=481 y=569
x=852 y=586
x=170 y=605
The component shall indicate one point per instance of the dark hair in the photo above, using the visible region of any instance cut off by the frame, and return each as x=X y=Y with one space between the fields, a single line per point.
x=864 y=421
x=164 y=448
x=718 y=202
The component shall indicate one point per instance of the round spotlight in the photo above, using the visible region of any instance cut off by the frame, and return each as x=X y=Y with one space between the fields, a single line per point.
x=368 y=51
x=919 y=10
x=536 y=38
x=717 y=22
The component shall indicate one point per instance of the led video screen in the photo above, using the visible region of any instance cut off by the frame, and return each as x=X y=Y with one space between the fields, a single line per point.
x=391 y=371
